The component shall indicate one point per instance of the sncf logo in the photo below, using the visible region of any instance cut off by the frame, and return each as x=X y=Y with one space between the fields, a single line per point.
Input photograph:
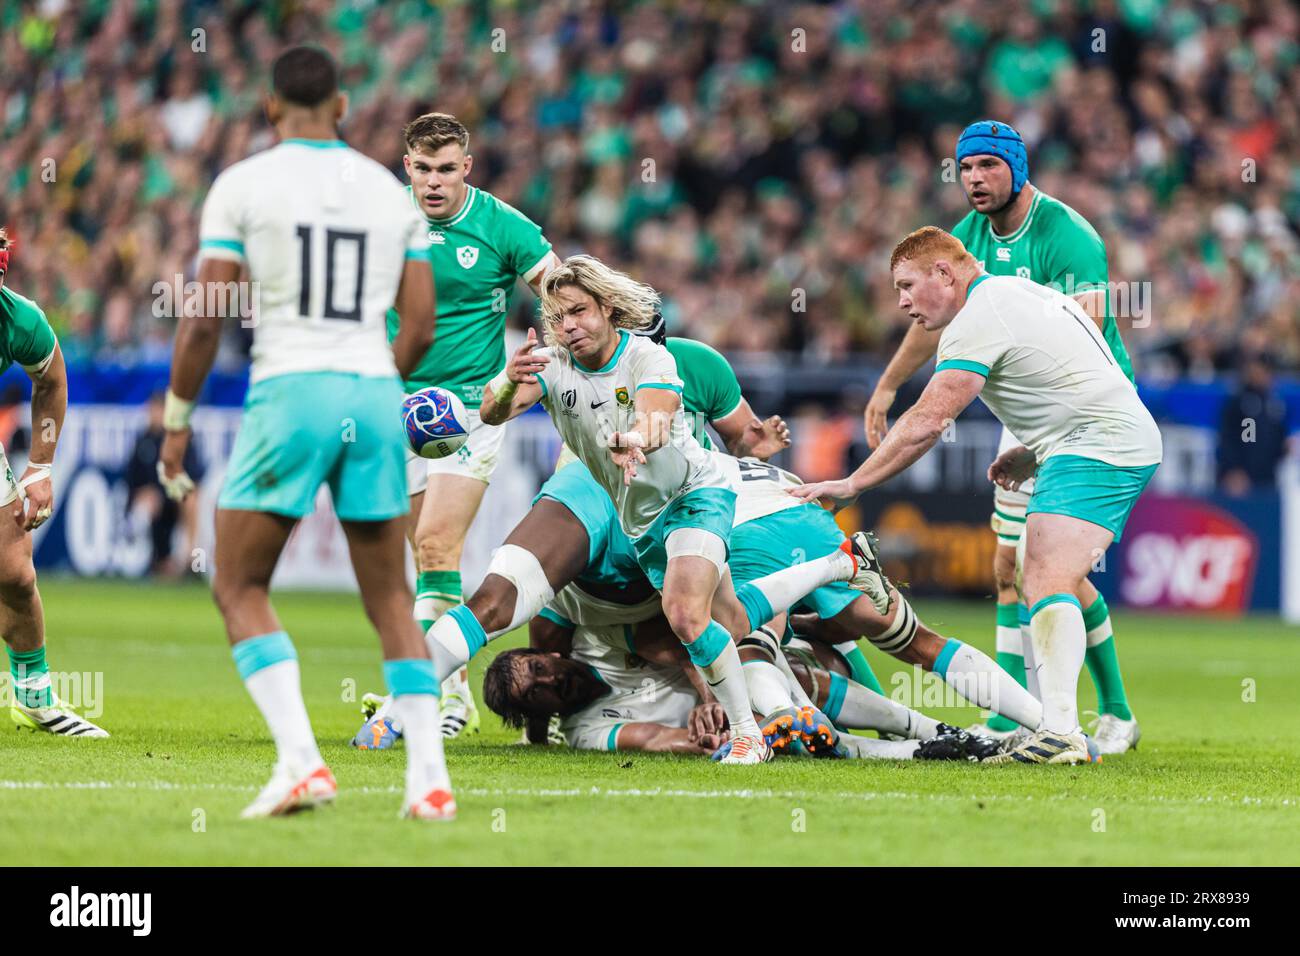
x=1188 y=554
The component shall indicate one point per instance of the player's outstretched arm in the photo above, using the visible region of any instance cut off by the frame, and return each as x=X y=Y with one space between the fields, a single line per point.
x=49 y=405
x=197 y=339
x=416 y=307
x=917 y=348
x=518 y=387
x=947 y=395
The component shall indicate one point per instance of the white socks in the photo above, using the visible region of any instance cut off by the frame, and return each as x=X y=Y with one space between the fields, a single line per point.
x=426 y=768
x=864 y=709
x=447 y=646
x=1059 y=645
x=726 y=679
x=866 y=748
x=277 y=691
x=769 y=691
x=979 y=679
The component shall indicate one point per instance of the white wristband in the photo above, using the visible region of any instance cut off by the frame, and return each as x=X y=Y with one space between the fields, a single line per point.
x=503 y=389
x=39 y=472
x=176 y=412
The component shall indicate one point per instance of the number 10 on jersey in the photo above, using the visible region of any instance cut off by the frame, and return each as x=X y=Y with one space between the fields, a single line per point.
x=336 y=240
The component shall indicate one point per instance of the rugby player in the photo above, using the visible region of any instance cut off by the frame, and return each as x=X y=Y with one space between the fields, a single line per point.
x=333 y=242
x=29 y=341
x=480 y=247
x=1044 y=369
x=629 y=687
x=615 y=398
x=1015 y=229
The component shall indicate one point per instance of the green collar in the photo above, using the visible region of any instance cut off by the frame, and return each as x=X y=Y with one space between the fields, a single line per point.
x=624 y=338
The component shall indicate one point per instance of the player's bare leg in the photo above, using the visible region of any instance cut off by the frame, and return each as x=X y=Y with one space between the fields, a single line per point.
x=22 y=622
x=545 y=551
x=378 y=558
x=446 y=511
x=1059 y=551
x=691 y=581
x=249 y=544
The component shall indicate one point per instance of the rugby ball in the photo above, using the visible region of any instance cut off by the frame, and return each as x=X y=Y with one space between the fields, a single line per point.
x=436 y=422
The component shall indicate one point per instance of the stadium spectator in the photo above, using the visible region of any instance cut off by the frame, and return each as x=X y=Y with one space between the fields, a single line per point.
x=147 y=498
x=754 y=162
x=1252 y=430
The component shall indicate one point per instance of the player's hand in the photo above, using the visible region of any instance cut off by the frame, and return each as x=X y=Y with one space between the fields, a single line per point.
x=764 y=439
x=35 y=508
x=523 y=366
x=1012 y=468
x=171 y=465
x=625 y=451
x=875 y=419
x=838 y=494
x=706 y=720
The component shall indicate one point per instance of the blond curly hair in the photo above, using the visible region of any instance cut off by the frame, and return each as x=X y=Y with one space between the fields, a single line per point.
x=633 y=304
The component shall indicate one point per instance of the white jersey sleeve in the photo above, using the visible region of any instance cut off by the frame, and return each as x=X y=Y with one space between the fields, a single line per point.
x=221 y=227
x=974 y=341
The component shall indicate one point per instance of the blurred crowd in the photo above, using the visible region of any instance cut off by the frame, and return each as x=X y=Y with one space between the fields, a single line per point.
x=754 y=161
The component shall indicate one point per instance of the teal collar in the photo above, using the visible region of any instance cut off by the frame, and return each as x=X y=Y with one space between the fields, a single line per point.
x=978 y=279
x=624 y=338
x=316 y=143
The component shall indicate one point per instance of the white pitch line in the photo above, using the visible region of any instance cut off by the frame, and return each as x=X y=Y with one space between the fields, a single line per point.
x=657 y=793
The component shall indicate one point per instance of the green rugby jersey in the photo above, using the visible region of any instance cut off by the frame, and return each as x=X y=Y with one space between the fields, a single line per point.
x=477 y=256
x=1053 y=246
x=25 y=335
x=710 y=389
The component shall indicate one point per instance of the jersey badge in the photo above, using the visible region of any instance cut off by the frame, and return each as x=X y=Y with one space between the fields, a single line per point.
x=1022 y=271
x=437 y=238
x=1004 y=254
x=467 y=256
x=624 y=399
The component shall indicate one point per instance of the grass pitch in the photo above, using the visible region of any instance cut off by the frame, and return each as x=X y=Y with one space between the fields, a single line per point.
x=1216 y=779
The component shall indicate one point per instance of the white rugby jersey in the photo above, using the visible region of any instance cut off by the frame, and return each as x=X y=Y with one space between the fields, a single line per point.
x=760 y=487
x=589 y=405
x=578 y=607
x=325 y=232
x=1049 y=375
x=639 y=692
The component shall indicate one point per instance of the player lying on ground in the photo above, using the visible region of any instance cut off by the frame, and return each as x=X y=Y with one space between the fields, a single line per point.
x=321 y=408
x=480 y=246
x=711 y=397
x=631 y=687
x=29 y=341
x=1042 y=367
x=572 y=534
x=615 y=398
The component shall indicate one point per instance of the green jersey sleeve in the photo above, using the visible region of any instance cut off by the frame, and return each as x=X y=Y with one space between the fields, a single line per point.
x=711 y=388
x=1074 y=257
x=522 y=242
x=31 y=340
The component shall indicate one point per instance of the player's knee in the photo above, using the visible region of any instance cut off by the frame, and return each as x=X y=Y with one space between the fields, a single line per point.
x=18 y=584
x=687 y=620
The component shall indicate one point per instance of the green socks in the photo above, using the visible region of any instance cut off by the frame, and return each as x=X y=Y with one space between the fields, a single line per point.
x=435 y=593
x=859 y=669
x=31 y=677
x=1010 y=658
x=1103 y=662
